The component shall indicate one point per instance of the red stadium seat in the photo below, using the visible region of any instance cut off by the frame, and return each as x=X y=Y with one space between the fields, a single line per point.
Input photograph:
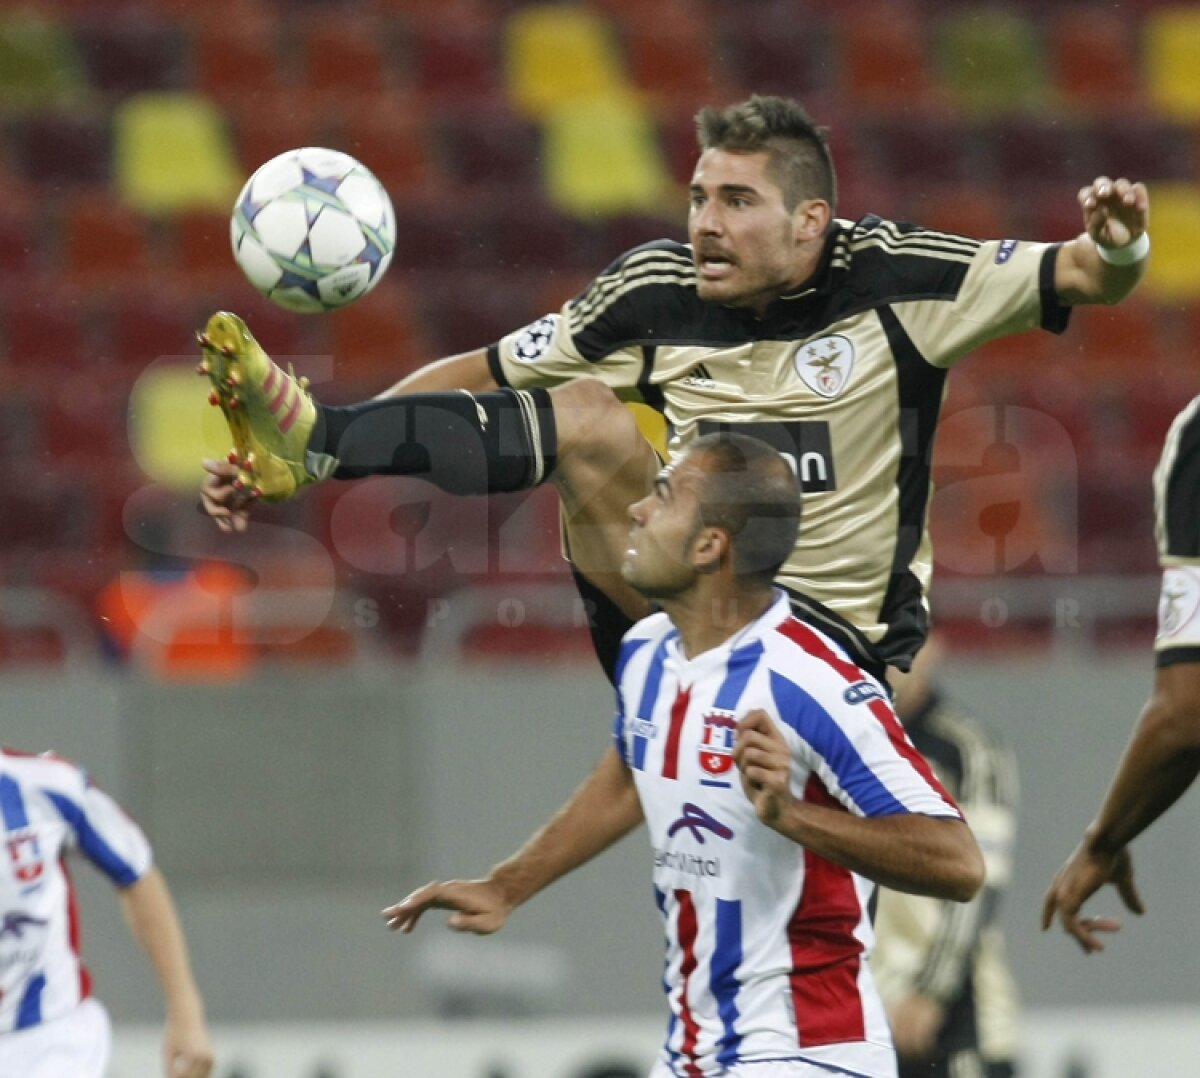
x=378 y=339
x=389 y=135
x=106 y=244
x=44 y=332
x=348 y=55
x=202 y=257
x=237 y=59
x=1093 y=61
x=456 y=64
x=884 y=61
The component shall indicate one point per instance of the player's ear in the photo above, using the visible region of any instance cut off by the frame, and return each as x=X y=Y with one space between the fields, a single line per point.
x=812 y=217
x=710 y=549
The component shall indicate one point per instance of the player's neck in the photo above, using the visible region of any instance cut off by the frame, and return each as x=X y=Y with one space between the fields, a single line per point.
x=713 y=611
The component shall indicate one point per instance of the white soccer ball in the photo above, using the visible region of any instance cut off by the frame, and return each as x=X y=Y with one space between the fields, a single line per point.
x=313 y=229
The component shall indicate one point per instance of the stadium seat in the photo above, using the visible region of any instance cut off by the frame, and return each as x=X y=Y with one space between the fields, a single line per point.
x=45 y=333
x=200 y=250
x=170 y=428
x=268 y=123
x=1093 y=60
x=1171 y=58
x=1174 y=272
x=1028 y=153
x=22 y=247
x=1146 y=147
x=603 y=157
x=470 y=311
x=39 y=66
x=919 y=148
x=964 y=210
x=557 y=55
x=64 y=149
x=490 y=148
x=347 y=55
x=989 y=60
x=391 y=136
x=236 y=60
x=129 y=55
x=105 y=243
x=671 y=55
x=455 y=64
x=528 y=233
x=378 y=339
x=144 y=330
x=173 y=152
x=765 y=48
x=883 y=53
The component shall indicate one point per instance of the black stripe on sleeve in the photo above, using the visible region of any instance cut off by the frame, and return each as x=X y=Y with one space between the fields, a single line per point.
x=1182 y=500
x=1055 y=313
x=495 y=366
x=652 y=394
x=1175 y=656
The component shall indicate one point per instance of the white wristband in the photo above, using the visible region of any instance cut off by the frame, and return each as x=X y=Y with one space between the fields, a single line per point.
x=1132 y=252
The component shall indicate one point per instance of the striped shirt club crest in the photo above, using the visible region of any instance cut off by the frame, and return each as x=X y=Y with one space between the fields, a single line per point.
x=766 y=943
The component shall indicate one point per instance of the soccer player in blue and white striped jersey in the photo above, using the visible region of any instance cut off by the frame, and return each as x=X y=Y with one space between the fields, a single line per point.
x=776 y=784
x=50 y=1025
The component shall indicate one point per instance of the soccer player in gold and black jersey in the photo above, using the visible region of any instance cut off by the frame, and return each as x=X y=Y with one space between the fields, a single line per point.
x=828 y=338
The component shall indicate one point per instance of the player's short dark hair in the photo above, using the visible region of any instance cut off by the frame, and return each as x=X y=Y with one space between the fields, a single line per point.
x=797 y=149
x=750 y=491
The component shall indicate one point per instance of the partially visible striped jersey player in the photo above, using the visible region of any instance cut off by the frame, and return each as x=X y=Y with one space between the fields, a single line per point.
x=1162 y=758
x=50 y=1024
x=774 y=780
x=829 y=338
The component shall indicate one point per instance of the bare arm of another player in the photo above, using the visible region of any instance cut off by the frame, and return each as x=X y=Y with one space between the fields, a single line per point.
x=150 y=913
x=1115 y=213
x=907 y=852
x=604 y=809
x=229 y=507
x=1159 y=764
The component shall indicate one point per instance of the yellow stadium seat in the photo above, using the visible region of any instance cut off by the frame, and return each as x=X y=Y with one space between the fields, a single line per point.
x=603 y=157
x=38 y=64
x=1171 y=39
x=172 y=152
x=556 y=54
x=171 y=428
x=1174 y=272
x=990 y=61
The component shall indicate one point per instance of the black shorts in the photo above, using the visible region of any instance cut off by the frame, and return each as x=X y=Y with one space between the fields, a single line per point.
x=608 y=623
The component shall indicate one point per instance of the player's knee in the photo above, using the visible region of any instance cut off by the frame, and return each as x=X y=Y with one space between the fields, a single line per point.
x=591 y=419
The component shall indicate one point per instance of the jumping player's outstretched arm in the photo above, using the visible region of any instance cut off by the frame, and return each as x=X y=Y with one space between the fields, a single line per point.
x=604 y=809
x=1105 y=263
x=908 y=852
x=1160 y=763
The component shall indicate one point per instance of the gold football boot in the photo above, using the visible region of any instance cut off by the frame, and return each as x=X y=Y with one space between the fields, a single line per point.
x=269 y=411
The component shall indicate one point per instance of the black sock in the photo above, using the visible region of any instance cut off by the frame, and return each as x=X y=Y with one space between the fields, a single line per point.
x=464 y=443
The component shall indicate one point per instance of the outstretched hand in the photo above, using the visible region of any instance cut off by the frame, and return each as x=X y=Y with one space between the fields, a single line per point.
x=764 y=762
x=1115 y=212
x=228 y=506
x=1080 y=878
x=480 y=906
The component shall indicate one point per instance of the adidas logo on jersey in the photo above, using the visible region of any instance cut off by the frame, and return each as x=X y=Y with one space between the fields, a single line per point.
x=699 y=377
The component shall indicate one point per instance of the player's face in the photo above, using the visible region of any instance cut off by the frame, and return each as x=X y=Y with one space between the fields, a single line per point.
x=663 y=527
x=747 y=246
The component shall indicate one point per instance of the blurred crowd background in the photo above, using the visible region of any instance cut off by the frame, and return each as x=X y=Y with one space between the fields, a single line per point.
x=524 y=146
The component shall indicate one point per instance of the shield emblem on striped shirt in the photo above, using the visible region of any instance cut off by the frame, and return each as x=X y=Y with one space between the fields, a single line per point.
x=716 y=743
x=26 y=858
